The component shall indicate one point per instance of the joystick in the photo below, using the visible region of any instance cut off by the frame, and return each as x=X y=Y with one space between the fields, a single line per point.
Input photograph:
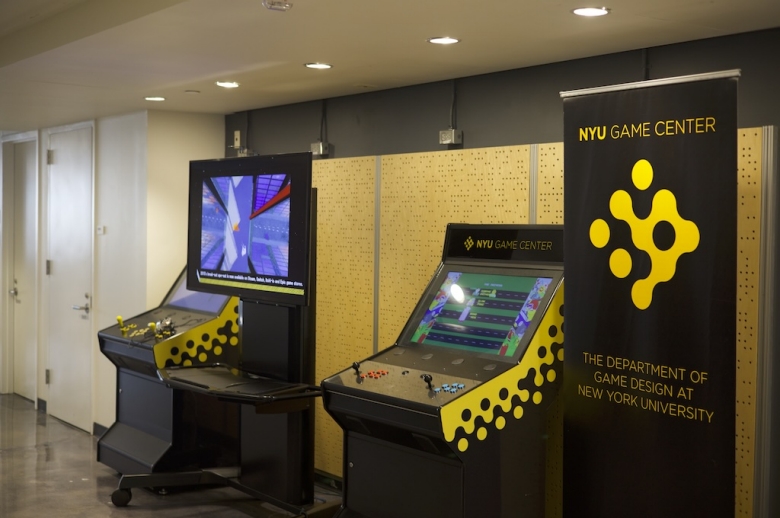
x=356 y=366
x=153 y=327
x=121 y=323
x=427 y=378
x=167 y=327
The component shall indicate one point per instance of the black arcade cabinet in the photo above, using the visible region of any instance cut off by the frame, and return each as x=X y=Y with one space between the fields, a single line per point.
x=158 y=429
x=251 y=236
x=450 y=420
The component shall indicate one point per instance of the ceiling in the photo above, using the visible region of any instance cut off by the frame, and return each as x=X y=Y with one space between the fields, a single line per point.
x=65 y=61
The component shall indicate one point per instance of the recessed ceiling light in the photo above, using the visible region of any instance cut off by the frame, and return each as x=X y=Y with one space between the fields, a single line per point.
x=591 y=11
x=228 y=84
x=154 y=98
x=318 y=66
x=443 y=40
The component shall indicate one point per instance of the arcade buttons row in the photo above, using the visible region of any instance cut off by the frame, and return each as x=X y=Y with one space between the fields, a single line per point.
x=374 y=374
x=450 y=388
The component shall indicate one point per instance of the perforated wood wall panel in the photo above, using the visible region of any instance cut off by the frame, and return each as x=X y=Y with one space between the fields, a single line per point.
x=346 y=190
x=420 y=193
x=549 y=184
x=749 y=147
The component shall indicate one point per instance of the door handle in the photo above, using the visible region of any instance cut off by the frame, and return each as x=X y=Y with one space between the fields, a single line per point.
x=13 y=292
x=84 y=308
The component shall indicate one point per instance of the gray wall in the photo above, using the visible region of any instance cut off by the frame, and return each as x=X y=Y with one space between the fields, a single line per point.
x=515 y=107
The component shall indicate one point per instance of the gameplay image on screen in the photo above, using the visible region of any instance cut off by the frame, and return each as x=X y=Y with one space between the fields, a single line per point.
x=478 y=312
x=245 y=225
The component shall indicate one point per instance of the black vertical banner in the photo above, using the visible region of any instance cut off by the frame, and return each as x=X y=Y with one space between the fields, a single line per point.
x=650 y=266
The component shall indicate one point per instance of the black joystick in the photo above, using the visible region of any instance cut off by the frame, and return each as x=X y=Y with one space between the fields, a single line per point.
x=427 y=378
x=356 y=366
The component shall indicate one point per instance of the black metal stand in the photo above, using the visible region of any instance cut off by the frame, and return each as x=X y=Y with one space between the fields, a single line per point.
x=226 y=477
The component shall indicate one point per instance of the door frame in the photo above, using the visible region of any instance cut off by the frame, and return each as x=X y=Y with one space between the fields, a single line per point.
x=7 y=171
x=43 y=313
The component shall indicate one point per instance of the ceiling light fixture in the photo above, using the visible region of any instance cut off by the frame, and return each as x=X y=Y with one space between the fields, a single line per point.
x=443 y=40
x=318 y=66
x=591 y=11
x=154 y=98
x=227 y=84
x=277 y=5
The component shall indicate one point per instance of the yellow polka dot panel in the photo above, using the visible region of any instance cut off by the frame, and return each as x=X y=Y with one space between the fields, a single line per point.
x=488 y=408
x=216 y=341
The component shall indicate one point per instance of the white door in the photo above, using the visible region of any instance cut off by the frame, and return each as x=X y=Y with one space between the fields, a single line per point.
x=23 y=290
x=70 y=277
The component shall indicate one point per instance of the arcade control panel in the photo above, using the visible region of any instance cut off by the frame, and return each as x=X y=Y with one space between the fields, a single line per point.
x=130 y=343
x=423 y=376
x=155 y=325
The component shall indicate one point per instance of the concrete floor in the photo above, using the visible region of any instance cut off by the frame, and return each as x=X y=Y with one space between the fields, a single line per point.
x=48 y=468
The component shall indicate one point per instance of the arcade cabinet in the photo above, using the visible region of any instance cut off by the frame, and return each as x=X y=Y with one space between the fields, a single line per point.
x=251 y=236
x=450 y=420
x=158 y=429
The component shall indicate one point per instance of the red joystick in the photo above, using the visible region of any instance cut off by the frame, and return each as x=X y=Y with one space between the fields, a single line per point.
x=427 y=378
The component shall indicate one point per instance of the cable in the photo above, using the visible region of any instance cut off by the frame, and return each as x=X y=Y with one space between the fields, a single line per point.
x=324 y=122
x=453 y=112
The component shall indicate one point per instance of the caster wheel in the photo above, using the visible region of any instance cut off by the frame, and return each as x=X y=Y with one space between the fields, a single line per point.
x=121 y=497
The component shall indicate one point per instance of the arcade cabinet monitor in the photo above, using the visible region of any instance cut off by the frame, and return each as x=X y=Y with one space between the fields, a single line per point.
x=182 y=298
x=489 y=312
x=248 y=228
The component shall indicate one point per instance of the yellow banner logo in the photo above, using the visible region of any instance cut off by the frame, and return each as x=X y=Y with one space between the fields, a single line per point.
x=468 y=243
x=663 y=263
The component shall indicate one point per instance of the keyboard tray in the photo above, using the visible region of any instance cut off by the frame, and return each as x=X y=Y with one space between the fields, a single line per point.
x=233 y=384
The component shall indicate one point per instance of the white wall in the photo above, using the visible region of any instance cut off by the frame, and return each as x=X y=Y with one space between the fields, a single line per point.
x=173 y=140
x=120 y=251
x=142 y=177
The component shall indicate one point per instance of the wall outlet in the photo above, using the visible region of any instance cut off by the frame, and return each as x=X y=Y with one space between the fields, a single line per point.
x=320 y=149
x=451 y=136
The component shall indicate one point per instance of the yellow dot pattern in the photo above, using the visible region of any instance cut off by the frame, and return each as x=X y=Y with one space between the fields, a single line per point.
x=460 y=416
x=620 y=263
x=642 y=174
x=664 y=209
x=599 y=233
x=211 y=342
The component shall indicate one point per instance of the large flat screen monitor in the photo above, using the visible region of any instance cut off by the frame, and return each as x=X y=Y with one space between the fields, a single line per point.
x=249 y=222
x=488 y=312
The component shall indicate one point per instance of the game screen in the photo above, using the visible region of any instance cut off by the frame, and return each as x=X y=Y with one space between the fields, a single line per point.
x=183 y=298
x=245 y=225
x=249 y=226
x=482 y=312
